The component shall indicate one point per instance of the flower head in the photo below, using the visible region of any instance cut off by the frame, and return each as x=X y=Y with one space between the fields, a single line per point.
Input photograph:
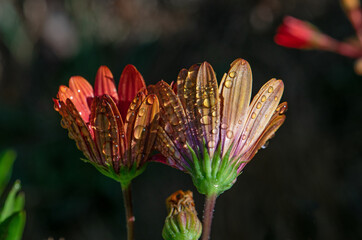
x=295 y=33
x=182 y=222
x=114 y=130
x=212 y=132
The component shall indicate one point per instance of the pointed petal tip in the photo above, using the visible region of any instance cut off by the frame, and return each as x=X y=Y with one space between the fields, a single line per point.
x=240 y=61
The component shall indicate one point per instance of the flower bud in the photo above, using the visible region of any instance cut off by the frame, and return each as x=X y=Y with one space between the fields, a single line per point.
x=182 y=222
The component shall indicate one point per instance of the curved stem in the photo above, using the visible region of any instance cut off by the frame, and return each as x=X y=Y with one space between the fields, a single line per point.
x=127 y=199
x=207 y=218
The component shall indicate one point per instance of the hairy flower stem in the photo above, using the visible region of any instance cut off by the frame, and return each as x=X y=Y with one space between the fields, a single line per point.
x=127 y=199
x=207 y=218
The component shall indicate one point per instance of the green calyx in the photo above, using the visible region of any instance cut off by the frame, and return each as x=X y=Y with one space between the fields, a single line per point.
x=213 y=175
x=125 y=175
x=183 y=226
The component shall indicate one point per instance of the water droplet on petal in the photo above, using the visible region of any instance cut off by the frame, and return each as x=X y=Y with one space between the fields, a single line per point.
x=232 y=74
x=150 y=100
x=253 y=115
x=63 y=123
x=224 y=126
x=263 y=98
x=229 y=134
x=266 y=144
x=207 y=103
x=211 y=144
x=137 y=132
x=205 y=120
x=177 y=155
x=270 y=89
x=275 y=98
x=213 y=113
x=214 y=131
x=228 y=84
x=243 y=137
x=141 y=112
x=258 y=106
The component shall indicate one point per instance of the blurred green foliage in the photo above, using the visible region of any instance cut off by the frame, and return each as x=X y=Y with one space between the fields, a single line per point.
x=12 y=214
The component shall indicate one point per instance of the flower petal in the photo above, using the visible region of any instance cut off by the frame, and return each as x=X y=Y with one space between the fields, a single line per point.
x=130 y=82
x=260 y=112
x=274 y=124
x=105 y=84
x=84 y=92
x=145 y=129
x=208 y=106
x=186 y=91
x=79 y=131
x=172 y=117
x=108 y=130
x=65 y=93
x=235 y=94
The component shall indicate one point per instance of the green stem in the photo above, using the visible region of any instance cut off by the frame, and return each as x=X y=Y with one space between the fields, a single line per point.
x=208 y=212
x=127 y=199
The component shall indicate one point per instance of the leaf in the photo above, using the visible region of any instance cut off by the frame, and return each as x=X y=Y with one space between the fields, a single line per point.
x=7 y=159
x=13 y=203
x=13 y=226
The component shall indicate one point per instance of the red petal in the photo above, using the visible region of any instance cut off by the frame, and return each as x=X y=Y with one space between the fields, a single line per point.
x=66 y=93
x=84 y=92
x=130 y=82
x=105 y=84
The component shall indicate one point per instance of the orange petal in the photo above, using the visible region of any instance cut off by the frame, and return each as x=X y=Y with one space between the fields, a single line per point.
x=235 y=94
x=105 y=83
x=130 y=82
x=208 y=105
x=79 y=131
x=260 y=112
x=108 y=130
x=145 y=129
x=84 y=92
x=65 y=93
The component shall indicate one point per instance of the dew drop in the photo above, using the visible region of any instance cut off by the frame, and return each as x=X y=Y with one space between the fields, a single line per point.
x=275 y=98
x=129 y=115
x=206 y=120
x=253 y=115
x=177 y=155
x=78 y=90
x=150 y=100
x=207 y=103
x=270 y=89
x=141 y=112
x=240 y=122
x=243 y=137
x=214 y=131
x=213 y=113
x=224 y=126
x=229 y=134
x=211 y=144
x=137 y=132
x=263 y=98
x=232 y=74
x=228 y=84
x=258 y=106
x=63 y=123
x=266 y=144
x=132 y=107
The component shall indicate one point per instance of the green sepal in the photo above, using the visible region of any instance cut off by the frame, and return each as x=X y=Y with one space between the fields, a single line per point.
x=125 y=175
x=216 y=175
x=7 y=159
x=14 y=202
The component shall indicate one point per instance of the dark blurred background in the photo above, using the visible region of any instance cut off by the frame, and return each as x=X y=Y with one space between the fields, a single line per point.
x=306 y=185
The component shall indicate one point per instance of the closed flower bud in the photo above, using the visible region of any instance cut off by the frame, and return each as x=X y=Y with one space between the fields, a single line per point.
x=182 y=222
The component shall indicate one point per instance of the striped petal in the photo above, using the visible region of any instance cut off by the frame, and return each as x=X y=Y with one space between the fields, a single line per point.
x=84 y=92
x=108 y=130
x=145 y=129
x=130 y=82
x=105 y=84
x=208 y=105
x=274 y=124
x=172 y=117
x=79 y=131
x=186 y=91
x=235 y=91
x=260 y=112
